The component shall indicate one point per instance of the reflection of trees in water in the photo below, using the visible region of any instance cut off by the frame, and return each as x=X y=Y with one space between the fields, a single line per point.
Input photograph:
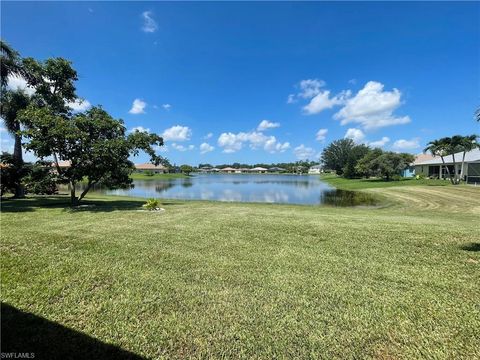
x=163 y=186
x=347 y=198
x=186 y=183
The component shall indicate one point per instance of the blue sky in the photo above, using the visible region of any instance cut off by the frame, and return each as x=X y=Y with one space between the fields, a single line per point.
x=206 y=75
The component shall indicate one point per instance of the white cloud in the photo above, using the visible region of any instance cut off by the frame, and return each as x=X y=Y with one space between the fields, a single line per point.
x=138 y=107
x=291 y=99
x=19 y=83
x=140 y=129
x=265 y=125
x=321 y=135
x=323 y=101
x=403 y=144
x=310 y=88
x=79 y=105
x=302 y=152
x=356 y=135
x=231 y=142
x=167 y=106
x=177 y=133
x=180 y=147
x=372 y=107
x=205 y=148
x=352 y=81
x=162 y=149
x=380 y=143
x=208 y=136
x=149 y=24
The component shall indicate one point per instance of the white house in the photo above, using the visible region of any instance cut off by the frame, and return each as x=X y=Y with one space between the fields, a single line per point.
x=436 y=168
x=315 y=169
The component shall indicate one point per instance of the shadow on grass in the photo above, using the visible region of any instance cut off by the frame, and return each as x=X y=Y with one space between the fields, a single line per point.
x=471 y=247
x=63 y=202
x=27 y=333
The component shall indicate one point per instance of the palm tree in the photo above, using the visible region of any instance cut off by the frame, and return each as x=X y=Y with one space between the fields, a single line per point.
x=10 y=63
x=440 y=148
x=10 y=104
x=477 y=114
x=468 y=143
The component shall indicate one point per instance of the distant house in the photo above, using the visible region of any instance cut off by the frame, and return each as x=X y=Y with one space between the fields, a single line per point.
x=148 y=167
x=315 y=169
x=276 y=169
x=259 y=170
x=435 y=168
x=228 y=170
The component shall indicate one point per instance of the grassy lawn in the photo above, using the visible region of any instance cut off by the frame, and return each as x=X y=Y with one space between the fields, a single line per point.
x=140 y=176
x=359 y=184
x=232 y=280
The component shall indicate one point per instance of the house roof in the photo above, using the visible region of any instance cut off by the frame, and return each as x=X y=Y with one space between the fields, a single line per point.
x=259 y=169
x=228 y=169
x=149 y=166
x=419 y=158
x=470 y=156
x=62 y=164
x=316 y=167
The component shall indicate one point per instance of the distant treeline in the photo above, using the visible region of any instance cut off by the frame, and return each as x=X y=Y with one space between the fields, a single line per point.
x=287 y=166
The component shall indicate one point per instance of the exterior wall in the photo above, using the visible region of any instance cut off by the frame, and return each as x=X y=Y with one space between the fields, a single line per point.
x=421 y=170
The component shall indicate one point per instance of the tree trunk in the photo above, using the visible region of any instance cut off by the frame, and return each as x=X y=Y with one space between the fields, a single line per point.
x=18 y=161
x=455 y=176
x=448 y=170
x=463 y=166
x=73 y=198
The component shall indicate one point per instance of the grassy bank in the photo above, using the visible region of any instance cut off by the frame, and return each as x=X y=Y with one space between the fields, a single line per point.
x=359 y=184
x=141 y=176
x=231 y=280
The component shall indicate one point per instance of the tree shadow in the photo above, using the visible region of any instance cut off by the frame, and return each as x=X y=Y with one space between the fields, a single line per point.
x=23 y=332
x=63 y=202
x=471 y=247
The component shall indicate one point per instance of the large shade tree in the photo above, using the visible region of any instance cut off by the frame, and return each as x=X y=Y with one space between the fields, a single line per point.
x=342 y=156
x=95 y=144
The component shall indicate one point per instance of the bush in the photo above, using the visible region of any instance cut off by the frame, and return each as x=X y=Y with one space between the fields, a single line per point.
x=396 y=178
x=151 y=204
x=420 y=177
x=41 y=180
x=149 y=173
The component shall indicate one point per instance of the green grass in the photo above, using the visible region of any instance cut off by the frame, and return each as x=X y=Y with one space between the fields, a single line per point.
x=233 y=280
x=141 y=176
x=359 y=184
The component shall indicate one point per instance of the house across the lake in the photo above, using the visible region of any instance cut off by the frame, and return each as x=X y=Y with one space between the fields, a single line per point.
x=315 y=169
x=148 y=167
x=435 y=167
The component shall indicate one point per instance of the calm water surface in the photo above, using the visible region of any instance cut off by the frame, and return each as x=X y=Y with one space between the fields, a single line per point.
x=287 y=189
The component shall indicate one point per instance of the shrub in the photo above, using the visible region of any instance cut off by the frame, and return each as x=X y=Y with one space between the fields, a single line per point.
x=41 y=180
x=420 y=177
x=149 y=173
x=151 y=204
x=396 y=178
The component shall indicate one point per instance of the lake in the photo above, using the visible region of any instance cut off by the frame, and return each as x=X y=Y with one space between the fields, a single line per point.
x=264 y=188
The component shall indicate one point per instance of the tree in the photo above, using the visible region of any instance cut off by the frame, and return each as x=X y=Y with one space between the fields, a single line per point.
x=466 y=144
x=95 y=144
x=186 y=169
x=54 y=83
x=390 y=163
x=10 y=64
x=335 y=156
x=442 y=148
x=477 y=114
x=11 y=103
x=364 y=165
